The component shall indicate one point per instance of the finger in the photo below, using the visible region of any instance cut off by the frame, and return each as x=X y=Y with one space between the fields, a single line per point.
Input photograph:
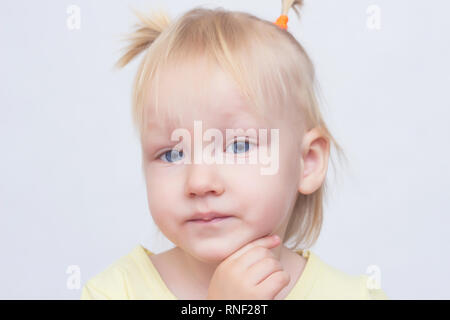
x=252 y=256
x=267 y=242
x=274 y=283
x=262 y=269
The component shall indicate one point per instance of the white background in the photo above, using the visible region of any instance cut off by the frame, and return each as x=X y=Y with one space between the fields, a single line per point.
x=71 y=191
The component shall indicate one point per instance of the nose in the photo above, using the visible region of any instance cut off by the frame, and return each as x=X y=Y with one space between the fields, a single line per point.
x=203 y=179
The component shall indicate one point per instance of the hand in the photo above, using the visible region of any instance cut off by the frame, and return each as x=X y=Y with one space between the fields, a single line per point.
x=250 y=273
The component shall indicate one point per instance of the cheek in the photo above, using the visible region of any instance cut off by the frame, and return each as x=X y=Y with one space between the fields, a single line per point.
x=271 y=208
x=261 y=198
x=276 y=193
x=161 y=202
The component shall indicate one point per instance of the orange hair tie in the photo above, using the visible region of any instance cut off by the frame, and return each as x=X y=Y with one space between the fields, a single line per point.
x=282 y=21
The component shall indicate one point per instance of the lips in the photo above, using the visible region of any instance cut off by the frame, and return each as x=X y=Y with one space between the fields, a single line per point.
x=209 y=222
x=208 y=216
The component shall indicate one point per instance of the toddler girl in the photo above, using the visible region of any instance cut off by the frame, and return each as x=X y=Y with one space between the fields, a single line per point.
x=230 y=208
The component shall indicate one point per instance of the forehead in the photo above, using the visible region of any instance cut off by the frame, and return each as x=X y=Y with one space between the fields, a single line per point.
x=197 y=91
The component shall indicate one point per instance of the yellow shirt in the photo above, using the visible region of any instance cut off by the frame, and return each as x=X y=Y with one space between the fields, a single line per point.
x=134 y=276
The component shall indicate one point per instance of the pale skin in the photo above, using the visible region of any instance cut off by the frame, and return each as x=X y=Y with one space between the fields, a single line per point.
x=259 y=204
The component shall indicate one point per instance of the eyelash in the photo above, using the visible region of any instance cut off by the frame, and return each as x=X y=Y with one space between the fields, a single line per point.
x=237 y=140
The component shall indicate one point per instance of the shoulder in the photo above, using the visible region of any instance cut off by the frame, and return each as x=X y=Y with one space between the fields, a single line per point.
x=112 y=282
x=333 y=283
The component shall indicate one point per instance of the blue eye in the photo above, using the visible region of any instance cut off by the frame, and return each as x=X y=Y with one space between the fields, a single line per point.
x=172 y=155
x=240 y=146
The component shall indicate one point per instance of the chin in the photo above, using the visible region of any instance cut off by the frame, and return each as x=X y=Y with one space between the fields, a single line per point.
x=212 y=254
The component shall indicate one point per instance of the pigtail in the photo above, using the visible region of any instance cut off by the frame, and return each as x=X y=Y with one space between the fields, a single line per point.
x=288 y=4
x=145 y=33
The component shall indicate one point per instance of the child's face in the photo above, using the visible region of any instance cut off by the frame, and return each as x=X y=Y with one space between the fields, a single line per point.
x=259 y=204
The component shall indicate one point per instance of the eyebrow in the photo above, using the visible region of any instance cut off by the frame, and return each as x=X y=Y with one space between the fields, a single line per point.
x=158 y=137
x=235 y=123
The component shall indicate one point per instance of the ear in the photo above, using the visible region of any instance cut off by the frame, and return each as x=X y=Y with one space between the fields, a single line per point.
x=315 y=155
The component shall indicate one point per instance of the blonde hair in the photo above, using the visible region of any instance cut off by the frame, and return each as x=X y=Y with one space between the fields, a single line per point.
x=268 y=63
